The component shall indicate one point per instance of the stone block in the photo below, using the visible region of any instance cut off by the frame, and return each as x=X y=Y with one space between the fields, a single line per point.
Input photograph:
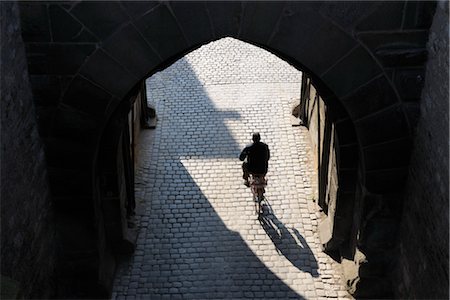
x=34 y=22
x=109 y=74
x=100 y=17
x=161 y=30
x=65 y=28
x=297 y=23
x=259 y=20
x=58 y=59
x=129 y=48
x=86 y=96
x=194 y=20
x=372 y=97
x=136 y=9
x=382 y=127
x=226 y=17
x=385 y=16
x=346 y=14
x=354 y=70
x=387 y=155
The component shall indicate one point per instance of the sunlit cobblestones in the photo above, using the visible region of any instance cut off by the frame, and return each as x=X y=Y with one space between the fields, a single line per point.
x=199 y=237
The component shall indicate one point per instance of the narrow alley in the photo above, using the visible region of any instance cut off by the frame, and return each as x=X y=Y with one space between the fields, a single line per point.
x=199 y=236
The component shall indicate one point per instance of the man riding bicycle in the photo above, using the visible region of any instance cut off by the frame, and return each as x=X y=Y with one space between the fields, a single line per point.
x=257 y=155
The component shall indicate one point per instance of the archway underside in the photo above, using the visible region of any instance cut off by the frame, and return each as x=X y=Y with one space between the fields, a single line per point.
x=366 y=60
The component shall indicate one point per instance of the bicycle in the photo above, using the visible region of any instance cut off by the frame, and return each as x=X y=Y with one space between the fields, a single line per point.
x=257 y=185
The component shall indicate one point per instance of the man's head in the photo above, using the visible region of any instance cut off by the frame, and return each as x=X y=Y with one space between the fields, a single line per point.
x=256 y=137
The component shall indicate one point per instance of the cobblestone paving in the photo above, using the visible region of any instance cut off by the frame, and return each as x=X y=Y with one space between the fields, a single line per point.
x=199 y=236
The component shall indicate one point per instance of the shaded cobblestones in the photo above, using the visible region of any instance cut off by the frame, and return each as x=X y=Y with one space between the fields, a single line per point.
x=199 y=237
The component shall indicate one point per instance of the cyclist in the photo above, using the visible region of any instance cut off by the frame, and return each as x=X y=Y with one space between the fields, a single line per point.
x=257 y=155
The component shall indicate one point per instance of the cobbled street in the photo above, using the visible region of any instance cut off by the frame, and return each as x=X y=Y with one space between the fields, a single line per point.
x=199 y=236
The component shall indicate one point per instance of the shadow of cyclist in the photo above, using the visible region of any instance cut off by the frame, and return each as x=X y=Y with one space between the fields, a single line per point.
x=295 y=250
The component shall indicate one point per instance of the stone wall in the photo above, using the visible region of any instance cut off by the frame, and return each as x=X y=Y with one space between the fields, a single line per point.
x=424 y=239
x=27 y=235
x=315 y=115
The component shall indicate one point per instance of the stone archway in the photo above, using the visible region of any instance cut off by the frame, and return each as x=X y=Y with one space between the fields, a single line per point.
x=365 y=59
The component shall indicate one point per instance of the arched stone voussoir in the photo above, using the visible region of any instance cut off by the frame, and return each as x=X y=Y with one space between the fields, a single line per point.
x=162 y=31
x=351 y=72
x=226 y=17
x=86 y=97
x=108 y=73
x=374 y=96
x=392 y=154
x=309 y=38
x=390 y=124
x=129 y=47
x=194 y=21
x=259 y=20
x=102 y=18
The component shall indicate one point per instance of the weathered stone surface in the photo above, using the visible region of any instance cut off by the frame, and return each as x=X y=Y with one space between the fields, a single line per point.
x=28 y=243
x=82 y=89
x=226 y=17
x=370 y=98
x=194 y=20
x=162 y=32
x=358 y=67
x=386 y=16
x=65 y=28
x=34 y=22
x=113 y=77
x=259 y=20
x=136 y=54
x=422 y=268
x=58 y=59
x=101 y=18
x=135 y=9
x=397 y=127
x=347 y=13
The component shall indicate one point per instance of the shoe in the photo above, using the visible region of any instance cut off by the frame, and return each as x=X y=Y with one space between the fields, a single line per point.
x=246 y=183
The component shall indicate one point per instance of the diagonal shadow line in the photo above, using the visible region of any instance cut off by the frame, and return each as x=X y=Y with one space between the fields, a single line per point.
x=285 y=243
x=193 y=252
x=188 y=249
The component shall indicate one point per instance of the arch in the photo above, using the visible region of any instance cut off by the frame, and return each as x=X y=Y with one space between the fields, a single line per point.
x=363 y=59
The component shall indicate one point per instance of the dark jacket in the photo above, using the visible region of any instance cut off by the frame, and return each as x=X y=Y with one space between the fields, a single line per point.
x=258 y=155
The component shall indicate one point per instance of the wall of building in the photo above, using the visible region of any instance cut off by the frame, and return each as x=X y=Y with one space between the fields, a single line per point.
x=27 y=227
x=424 y=238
